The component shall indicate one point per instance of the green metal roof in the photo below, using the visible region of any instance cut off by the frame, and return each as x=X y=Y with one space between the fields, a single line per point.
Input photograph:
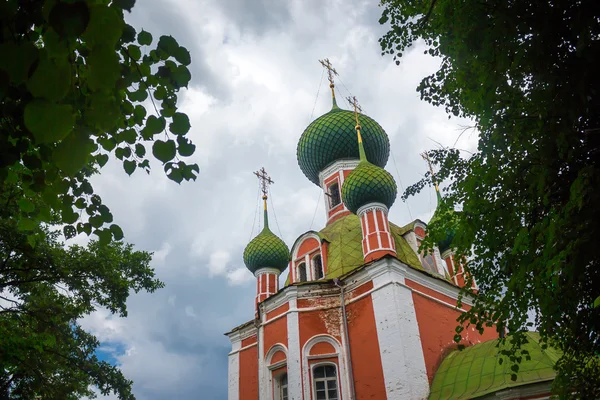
x=266 y=250
x=475 y=371
x=332 y=137
x=368 y=183
x=344 y=253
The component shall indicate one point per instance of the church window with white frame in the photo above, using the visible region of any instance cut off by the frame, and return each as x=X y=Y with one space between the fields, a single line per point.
x=325 y=382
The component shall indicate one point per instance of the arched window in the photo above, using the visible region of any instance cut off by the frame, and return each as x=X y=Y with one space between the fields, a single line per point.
x=301 y=272
x=325 y=382
x=317 y=267
x=333 y=192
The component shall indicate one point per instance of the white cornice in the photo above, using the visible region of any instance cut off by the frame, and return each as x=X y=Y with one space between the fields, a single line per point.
x=371 y=207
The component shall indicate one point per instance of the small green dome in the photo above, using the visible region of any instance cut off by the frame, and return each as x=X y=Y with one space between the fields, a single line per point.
x=266 y=250
x=368 y=183
x=332 y=137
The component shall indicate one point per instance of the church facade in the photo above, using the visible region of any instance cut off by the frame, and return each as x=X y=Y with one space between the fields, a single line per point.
x=363 y=314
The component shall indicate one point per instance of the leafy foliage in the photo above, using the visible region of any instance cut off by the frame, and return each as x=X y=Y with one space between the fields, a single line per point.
x=75 y=85
x=44 y=290
x=526 y=73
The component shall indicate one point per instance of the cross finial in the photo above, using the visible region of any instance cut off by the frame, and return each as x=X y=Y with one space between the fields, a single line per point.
x=265 y=181
x=354 y=103
x=331 y=72
x=425 y=157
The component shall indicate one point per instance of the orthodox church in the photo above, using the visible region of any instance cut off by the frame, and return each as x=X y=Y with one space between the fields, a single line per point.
x=363 y=313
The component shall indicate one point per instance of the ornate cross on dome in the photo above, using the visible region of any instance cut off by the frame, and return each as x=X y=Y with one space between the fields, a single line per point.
x=353 y=102
x=265 y=181
x=425 y=157
x=331 y=72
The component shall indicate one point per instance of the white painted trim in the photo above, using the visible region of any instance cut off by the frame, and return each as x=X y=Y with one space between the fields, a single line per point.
x=313 y=389
x=274 y=349
x=243 y=348
x=372 y=207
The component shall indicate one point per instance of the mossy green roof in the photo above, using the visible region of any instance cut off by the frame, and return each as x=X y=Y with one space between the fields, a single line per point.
x=475 y=371
x=368 y=183
x=344 y=253
x=332 y=137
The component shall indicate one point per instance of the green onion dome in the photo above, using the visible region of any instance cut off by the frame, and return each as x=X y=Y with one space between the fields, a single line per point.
x=332 y=137
x=266 y=250
x=368 y=183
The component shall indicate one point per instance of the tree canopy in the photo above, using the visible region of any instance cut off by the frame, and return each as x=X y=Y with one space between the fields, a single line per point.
x=526 y=73
x=78 y=85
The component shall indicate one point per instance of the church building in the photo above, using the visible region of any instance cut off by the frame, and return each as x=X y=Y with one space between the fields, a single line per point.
x=363 y=313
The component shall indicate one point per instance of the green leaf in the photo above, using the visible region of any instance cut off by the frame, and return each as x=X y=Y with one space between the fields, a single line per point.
x=140 y=150
x=26 y=205
x=73 y=153
x=129 y=166
x=102 y=159
x=185 y=146
x=126 y=5
x=180 y=124
x=69 y=231
x=168 y=44
x=155 y=125
x=116 y=231
x=175 y=175
x=69 y=20
x=17 y=59
x=48 y=122
x=182 y=55
x=50 y=80
x=182 y=76
x=144 y=38
x=597 y=302
x=105 y=27
x=134 y=52
x=164 y=151
x=103 y=68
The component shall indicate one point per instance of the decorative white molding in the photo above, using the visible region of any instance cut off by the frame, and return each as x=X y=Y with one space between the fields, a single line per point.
x=266 y=270
x=375 y=206
x=337 y=166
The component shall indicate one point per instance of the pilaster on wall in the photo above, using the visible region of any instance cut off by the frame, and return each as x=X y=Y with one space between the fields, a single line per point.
x=294 y=368
x=267 y=283
x=233 y=372
x=403 y=361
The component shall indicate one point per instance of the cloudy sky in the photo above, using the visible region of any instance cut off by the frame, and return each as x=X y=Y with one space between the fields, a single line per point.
x=255 y=78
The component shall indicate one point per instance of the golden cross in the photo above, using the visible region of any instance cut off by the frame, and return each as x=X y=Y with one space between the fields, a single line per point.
x=330 y=71
x=265 y=181
x=354 y=103
x=425 y=157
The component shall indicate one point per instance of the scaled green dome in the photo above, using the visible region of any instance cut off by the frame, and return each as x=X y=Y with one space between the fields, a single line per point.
x=368 y=183
x=332 y=137
x=266 y=251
